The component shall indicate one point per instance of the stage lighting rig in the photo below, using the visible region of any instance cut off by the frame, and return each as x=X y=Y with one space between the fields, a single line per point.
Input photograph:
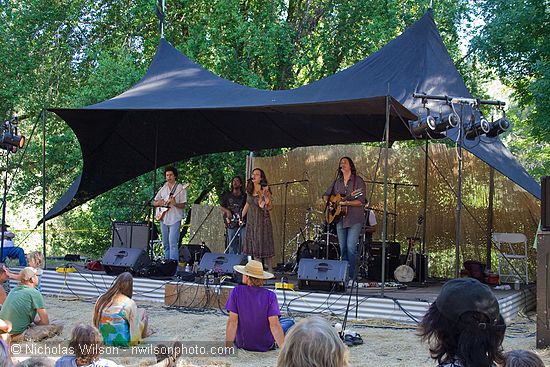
x=498 y=127
x=10 y=140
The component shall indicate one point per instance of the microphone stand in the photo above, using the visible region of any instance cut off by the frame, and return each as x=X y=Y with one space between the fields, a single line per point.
x=4 y=199
x=233 y=238
x=327 y=228
x=285 y=209
x=116 y=231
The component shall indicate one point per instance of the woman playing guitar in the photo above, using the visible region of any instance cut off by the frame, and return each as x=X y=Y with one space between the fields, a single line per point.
x=347 y=192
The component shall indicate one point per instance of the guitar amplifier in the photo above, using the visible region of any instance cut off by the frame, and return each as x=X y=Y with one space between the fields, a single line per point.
x=130 y=234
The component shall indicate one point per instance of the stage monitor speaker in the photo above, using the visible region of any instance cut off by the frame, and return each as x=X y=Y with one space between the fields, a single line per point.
x=220 y=263
x=130 y=234
x=545 y=203
x=120 y=259
x=322 y=274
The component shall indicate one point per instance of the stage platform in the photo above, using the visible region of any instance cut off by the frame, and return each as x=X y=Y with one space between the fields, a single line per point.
x=400 y=305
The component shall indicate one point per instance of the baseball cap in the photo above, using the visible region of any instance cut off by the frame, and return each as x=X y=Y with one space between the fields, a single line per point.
x=467 y=295
x=27 y=273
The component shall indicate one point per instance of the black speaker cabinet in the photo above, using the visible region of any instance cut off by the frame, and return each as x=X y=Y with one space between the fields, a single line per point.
x=545 y=203
x=374 y=263
x=120 y=259
x=322 y=274
x=543 y=286
x=220 y=263
x=130 y=235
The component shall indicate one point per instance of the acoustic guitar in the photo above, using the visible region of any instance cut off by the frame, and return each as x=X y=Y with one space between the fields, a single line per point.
x=405 y=273
x=334 y=210
x=161 y=211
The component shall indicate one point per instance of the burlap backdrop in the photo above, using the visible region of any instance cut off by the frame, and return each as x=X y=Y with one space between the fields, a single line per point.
x=514 y=209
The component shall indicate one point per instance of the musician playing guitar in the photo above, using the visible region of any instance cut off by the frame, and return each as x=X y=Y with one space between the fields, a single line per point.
x=170 y=202
x=351 y=188
x=231 y=206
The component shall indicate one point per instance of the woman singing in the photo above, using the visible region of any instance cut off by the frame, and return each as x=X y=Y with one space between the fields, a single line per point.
x=258 y=240
x=352 y=187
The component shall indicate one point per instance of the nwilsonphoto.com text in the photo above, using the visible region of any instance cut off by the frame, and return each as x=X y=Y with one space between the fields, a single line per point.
x=185 y=349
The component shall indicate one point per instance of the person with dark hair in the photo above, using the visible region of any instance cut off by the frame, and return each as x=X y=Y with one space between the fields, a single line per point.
x=258 y=241
x=463 y=326
x=170 y=202
x=522 y=358
x=351 y=188
x=117 y=316
x=232 y=206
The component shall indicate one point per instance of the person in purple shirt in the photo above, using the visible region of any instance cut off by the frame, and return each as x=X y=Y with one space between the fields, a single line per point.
x=253 y=322
x=353 y=188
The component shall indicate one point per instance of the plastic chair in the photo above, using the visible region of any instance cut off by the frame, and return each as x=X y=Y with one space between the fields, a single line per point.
x=512 y=257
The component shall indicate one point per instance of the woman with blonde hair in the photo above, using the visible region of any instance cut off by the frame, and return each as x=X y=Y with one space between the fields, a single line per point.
x=313 y=342
x=117 y=317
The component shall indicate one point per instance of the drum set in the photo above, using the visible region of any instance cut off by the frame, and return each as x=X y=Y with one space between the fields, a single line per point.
x=318 y=241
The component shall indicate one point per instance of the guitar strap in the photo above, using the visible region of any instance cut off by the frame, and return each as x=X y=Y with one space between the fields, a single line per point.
x=173 y=189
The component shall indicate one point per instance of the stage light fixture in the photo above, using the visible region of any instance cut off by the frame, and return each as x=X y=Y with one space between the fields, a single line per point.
x=477 y=128
x=453 y=119
x=498 y=127
x=12 y=139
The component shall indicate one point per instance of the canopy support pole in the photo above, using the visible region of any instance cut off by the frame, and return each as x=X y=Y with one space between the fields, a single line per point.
x=490 y=214
x=44 y=111
x=421 y=268
x=385 y=218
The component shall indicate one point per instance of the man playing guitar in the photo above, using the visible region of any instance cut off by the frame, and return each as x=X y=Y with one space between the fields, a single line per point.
x=231 y=206
x=170 y=202
x=351 y=188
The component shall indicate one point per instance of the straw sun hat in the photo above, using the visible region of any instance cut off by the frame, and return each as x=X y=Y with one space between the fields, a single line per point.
x=253 y=269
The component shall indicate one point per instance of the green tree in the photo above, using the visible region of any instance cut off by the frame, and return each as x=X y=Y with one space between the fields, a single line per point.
x=69 y=54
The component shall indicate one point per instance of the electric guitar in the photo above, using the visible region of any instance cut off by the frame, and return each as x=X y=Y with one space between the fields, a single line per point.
x=233 y=221
x=405 y=273
x=160 y=211
x=334 y=211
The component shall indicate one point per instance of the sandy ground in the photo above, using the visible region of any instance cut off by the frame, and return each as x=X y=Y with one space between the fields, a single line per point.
x=386 y=344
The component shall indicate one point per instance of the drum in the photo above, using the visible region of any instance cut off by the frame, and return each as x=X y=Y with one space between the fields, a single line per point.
x=333 y=247
x=318 y=250
x=307 y=250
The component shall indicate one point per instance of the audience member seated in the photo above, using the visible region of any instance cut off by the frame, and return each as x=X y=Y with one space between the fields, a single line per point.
x=35 y=260
x=25 y=309
x=5 y=353
x=36 y=362
x=313 y=342
x=522 y=358
x=253 y=322
x=463 y=326
x=10 y=250
x=86 y=342
x=116 y=315
x=4 y=284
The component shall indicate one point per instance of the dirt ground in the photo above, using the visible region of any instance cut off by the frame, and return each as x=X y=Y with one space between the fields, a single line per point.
x=386 y=343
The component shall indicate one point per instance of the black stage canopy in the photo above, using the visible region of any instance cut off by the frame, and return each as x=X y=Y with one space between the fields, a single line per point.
x=196 y=112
